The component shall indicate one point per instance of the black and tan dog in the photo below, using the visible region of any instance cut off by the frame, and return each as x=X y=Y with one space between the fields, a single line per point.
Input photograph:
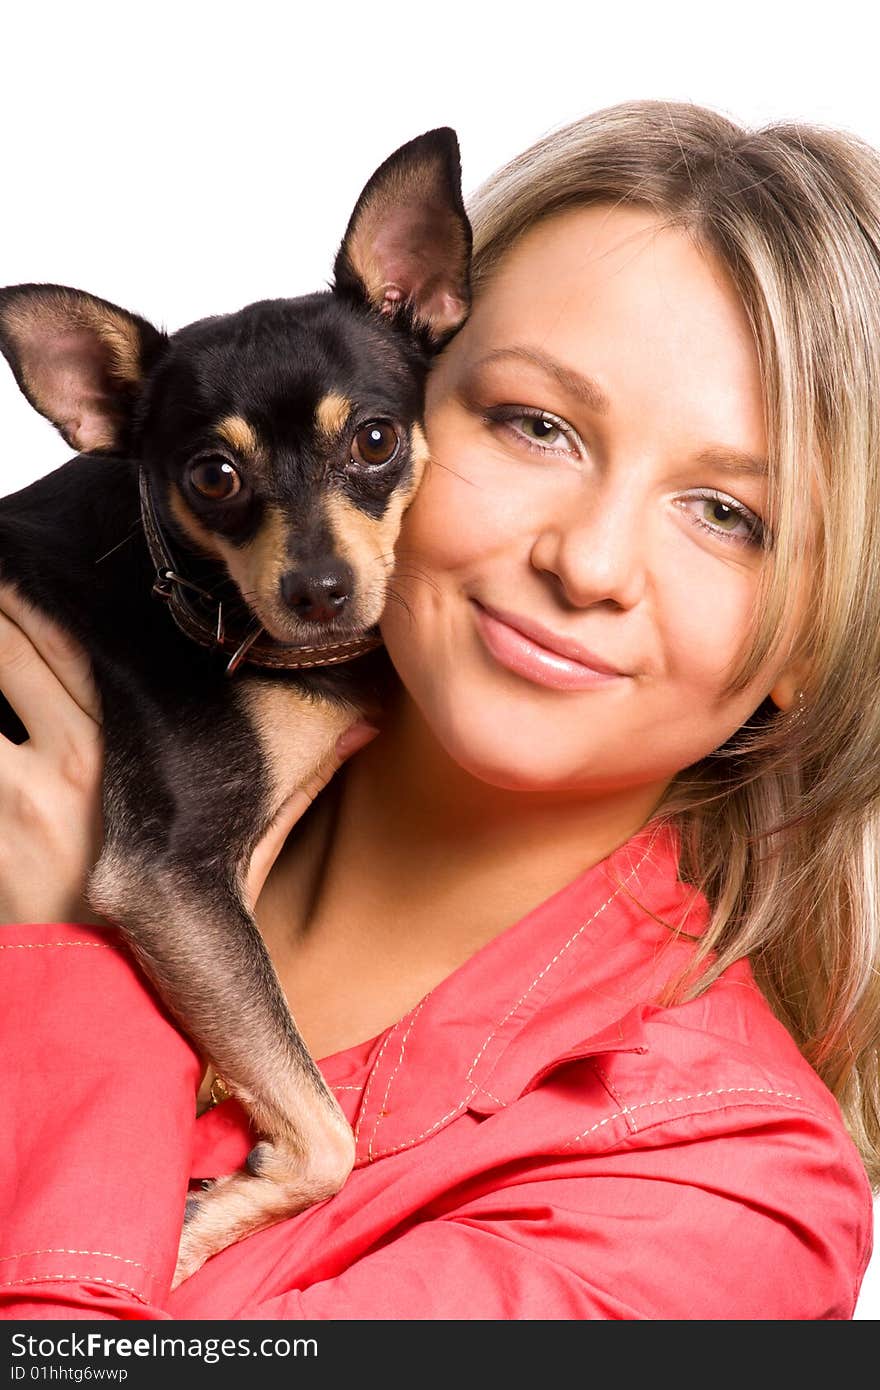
x=249 y=472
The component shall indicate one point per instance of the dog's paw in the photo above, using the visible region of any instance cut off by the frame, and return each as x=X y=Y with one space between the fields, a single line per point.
x=276 y=1184
x=206 y=1231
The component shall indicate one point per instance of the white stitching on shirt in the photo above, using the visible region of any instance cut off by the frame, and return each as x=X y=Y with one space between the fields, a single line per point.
x=615 y=1096
x=45 y=945
x=372 y=1076
x=403 y=1041
x=559 y=954
x=75 y=1278
x=540 y=976
x=675 y=1100
x=461 y=1105
x=102 y=1254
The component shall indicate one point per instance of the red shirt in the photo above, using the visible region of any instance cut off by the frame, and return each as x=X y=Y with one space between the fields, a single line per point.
x=536 y=1139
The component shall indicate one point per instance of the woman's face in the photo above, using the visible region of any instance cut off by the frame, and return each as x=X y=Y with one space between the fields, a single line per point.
x=595 y=494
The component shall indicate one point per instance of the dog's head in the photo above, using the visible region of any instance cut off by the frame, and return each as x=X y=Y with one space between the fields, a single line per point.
x=282 y=441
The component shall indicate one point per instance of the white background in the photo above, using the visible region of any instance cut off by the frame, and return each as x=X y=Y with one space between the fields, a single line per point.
x=185 y=159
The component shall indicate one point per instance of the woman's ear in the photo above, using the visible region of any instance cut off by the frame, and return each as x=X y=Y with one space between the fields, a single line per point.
x=788 y=686
x=79 y=360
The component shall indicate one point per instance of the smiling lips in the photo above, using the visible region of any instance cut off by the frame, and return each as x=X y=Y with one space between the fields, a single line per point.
x=539 y=655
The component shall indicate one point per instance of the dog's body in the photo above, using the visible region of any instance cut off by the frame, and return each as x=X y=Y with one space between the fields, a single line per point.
x=310 y=410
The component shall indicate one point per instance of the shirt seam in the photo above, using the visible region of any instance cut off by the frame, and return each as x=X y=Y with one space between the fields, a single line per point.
x=627 y=1111
x=47 y=945
x=99 y=1254
x=75 y=1279
x=554 y=960
x=381 y=1111
x=475 y=1087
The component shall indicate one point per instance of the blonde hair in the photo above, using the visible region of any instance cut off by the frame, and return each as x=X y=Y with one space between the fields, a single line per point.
x=780 y=828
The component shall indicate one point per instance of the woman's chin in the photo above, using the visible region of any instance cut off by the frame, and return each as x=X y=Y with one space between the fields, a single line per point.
x=504 y=758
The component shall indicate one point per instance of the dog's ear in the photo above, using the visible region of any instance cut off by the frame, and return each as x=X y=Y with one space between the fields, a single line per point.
x=79 y=360
x=407 y=247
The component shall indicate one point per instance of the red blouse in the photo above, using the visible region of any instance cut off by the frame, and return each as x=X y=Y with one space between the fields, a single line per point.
x=536 y=1139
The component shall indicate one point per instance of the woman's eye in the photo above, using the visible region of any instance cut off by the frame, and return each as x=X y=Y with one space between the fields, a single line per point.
x=540 y=429
x=723 y=516
x=535 y=428
x=215 y=478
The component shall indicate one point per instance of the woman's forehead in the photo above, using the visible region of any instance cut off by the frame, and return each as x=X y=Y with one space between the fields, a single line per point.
x=637 y=309
x=584 y=261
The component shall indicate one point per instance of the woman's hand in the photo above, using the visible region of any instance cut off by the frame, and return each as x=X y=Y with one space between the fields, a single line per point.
x=51 y=827
x=50 y=787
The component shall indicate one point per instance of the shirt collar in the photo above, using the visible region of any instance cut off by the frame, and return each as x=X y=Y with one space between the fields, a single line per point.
x=570 y=978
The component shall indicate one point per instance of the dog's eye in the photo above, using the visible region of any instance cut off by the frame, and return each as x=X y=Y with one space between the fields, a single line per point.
x=214 y=477
x=375 y=444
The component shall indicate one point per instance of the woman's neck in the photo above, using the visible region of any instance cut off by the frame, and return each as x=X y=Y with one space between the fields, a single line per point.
x=404 y=867
x=403 y=817
x=425 y=806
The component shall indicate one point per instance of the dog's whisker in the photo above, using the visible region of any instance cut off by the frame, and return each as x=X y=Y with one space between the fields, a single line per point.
x=393 y=597
x=125 y=539
x=416 y=577
x=245 y=595
x=445 y=466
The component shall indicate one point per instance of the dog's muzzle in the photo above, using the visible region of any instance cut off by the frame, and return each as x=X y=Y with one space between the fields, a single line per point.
x=199 y=614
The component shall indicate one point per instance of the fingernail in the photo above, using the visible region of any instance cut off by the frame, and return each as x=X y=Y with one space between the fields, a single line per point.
x=354 y=738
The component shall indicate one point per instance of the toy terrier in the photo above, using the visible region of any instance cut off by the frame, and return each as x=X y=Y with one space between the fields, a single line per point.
x=222 y=546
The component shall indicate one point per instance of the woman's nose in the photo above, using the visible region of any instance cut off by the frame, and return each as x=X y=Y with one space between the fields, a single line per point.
x=596 y=548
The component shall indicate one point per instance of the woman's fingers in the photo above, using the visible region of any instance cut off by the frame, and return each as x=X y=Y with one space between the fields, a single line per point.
x=45 y=675
x=355 y=737
x=50 y=786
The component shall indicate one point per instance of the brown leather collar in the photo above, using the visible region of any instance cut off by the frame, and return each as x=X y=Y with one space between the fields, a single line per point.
x=199 y=615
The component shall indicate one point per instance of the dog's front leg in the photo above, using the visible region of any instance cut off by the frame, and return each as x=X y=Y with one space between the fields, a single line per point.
x=207 y=959
x=177 y=898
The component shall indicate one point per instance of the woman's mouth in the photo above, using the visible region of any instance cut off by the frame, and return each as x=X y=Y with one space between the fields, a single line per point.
x=525 y=654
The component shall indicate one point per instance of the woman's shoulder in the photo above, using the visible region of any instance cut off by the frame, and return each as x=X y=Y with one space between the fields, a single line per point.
x=724 y=1060
x=722 y=1054
x=710 y=1100
x=716 y=1063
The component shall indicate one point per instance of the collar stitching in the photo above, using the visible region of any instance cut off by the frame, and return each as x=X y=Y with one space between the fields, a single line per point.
x=628 y=1110
x=371 y=1078
x=496 y=1029
x=403 y=1042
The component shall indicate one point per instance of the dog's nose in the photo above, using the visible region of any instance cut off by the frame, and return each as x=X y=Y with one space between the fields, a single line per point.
x=318 y=591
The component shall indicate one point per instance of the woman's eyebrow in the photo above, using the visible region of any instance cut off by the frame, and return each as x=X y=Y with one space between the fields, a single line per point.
x=729 y=460
x=581 y=387
x=720 y=456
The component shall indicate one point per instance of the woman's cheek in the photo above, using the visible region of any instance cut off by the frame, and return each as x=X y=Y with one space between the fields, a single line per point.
x=704 y=607
x=459 y=514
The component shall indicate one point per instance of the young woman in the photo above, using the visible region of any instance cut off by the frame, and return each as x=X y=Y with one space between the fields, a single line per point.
x=587 y=937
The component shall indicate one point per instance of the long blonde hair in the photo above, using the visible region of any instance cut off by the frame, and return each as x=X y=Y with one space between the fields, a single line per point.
x=780 y=828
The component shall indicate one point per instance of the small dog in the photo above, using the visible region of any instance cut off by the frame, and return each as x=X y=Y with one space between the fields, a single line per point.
x=250 y=471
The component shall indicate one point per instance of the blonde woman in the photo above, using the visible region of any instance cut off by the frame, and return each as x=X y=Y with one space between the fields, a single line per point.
x=587 y=938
